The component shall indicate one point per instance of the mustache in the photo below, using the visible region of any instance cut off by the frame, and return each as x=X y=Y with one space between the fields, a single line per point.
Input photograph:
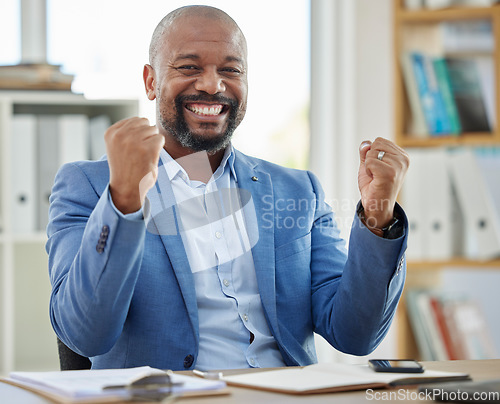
x=216 y=98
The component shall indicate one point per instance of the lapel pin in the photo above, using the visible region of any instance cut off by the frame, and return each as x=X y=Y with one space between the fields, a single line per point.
x=254 y=178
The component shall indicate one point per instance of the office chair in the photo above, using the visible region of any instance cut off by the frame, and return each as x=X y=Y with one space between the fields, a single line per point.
x=69 y=360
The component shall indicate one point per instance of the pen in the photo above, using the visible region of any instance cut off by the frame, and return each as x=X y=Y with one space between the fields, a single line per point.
x=208 y=375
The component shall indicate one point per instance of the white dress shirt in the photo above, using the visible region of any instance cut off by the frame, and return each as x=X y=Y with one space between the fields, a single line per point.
x=232 y=324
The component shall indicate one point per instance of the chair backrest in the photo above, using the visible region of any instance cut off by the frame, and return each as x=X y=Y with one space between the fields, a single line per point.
x=69 y=360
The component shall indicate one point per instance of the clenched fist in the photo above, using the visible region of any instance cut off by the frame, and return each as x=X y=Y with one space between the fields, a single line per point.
x=382 y=169
x=133 y=147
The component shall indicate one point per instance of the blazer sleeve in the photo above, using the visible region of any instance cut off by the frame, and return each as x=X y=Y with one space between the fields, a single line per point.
x=353 y=306
x=94 y=261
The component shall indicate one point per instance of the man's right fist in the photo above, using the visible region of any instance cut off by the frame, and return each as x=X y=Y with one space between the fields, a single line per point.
x=133 y=147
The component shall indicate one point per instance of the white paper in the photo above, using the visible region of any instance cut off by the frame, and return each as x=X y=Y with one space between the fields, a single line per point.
x=81 y=385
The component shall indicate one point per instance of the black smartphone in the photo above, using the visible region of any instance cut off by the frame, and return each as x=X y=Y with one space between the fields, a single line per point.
x=396 y=365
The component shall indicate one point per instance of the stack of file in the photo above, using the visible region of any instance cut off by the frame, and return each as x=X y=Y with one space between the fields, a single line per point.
x=40 y=144
x=452 y=200
x=427 y=197
x=475 y=178
x=34 y=76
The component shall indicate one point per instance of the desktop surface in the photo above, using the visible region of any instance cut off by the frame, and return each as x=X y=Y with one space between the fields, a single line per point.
x=479 y=370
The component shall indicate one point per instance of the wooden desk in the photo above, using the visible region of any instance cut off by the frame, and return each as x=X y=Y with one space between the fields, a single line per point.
x=479 y=370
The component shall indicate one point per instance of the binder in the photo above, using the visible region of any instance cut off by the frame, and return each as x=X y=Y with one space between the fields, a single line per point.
x=61 y=139
x=47 y=164
x=73 y=137
x=435 y=223
x=411 y=201
x=98 y=126
x=488 y=160
x=441 y=223
x=481 y=219
x=23 y=157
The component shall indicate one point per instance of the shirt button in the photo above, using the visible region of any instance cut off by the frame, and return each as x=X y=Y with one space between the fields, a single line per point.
x=218 y=235
x=251 y=361
x=225 y=282
x=245 y=317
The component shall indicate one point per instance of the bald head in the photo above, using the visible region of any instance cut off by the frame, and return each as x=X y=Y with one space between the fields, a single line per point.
x=208 y=12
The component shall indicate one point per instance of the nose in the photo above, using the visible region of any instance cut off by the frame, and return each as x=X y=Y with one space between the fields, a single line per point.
x=210 y=82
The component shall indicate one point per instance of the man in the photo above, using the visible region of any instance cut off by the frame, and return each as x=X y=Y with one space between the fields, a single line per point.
x=179 y=251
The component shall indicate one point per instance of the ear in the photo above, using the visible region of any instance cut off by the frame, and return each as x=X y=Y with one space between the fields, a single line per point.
x=149 y=81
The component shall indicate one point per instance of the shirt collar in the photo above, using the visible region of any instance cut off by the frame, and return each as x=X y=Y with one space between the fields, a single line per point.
x=174 y=169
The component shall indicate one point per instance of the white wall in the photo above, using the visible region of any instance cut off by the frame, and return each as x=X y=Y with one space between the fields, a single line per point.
x=374 y=69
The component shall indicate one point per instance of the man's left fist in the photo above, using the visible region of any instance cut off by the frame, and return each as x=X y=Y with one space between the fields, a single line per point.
x=383 y=166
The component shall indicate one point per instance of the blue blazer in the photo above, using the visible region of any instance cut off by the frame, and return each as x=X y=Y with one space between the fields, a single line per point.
x=123 y=293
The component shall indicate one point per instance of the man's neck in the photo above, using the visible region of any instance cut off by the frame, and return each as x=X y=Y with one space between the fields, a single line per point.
x=199 y=166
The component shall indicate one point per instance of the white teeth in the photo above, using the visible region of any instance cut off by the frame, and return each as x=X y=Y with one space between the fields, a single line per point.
x=209 y=111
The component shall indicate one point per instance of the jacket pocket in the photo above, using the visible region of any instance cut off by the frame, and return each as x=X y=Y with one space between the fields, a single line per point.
x=293 y=247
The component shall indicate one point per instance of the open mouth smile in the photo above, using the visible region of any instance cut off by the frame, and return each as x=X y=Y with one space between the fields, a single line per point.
x=207 y=110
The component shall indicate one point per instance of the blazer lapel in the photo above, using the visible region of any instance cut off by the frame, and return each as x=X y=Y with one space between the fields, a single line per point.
x=162 y=220
x=259 y=185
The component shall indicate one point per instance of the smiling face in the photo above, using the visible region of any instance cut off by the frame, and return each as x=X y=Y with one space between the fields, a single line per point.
x=198 y=77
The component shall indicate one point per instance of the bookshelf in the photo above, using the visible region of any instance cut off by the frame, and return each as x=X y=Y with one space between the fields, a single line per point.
x=422 y=273
x=27 y=341
x=404 y=18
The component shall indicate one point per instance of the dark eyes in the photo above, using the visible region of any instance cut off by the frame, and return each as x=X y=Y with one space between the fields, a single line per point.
x=187 y=68
x=231 y=70
x=190 y=70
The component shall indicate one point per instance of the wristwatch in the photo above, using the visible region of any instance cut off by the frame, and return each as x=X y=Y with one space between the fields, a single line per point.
x=391 y=231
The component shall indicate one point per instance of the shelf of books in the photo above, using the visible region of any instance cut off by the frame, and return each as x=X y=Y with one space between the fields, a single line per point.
x=39 y=131
x=445 y=88
x=447 y=106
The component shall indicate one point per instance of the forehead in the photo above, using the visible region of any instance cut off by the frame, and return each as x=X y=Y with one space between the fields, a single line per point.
x=195 y=34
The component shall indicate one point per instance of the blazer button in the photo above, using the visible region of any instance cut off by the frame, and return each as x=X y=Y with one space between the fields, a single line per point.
x=105 y=230
x=100 y=246
x=188 y=361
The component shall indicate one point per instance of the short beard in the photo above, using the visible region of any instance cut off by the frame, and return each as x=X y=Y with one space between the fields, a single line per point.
x=177 y=126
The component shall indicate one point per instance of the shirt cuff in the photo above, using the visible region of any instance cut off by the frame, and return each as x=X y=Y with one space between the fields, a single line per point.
x=134 y=216
x=394 y=231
